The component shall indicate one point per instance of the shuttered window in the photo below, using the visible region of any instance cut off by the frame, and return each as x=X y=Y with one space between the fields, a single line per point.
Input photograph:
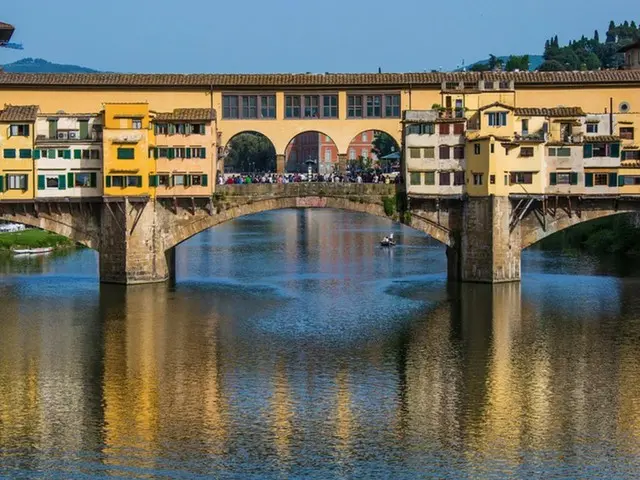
x=126 y=153
x=25 y=153
x=9 y=153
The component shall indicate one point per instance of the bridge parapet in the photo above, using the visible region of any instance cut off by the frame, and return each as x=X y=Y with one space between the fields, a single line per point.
x=308 y=189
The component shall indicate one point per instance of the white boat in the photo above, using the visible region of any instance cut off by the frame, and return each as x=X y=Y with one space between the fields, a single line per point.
x=32 y=251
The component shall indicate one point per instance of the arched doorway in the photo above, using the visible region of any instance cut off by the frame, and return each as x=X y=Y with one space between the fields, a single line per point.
x=374 y=149
x=311 y=149
x=249 y=152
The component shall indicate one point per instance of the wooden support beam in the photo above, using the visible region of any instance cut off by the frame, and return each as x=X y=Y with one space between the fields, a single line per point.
x=138 y=215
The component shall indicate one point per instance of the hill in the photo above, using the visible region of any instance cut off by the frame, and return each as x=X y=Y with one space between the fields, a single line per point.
x=38 y=65
x=534 y=62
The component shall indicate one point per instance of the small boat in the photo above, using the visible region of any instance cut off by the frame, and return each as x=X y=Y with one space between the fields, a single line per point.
x=32 y=251
x=385 y=242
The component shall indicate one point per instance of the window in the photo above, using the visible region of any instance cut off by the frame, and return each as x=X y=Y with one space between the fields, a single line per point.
x=497 y=119
x=429 y=152
x=477 y=178
x=458 y=152
x=268 y=106
x=134 y=181
x=626 y=133
x=136 y=124
x=163 y=180
x=24 y=153
x=364 y=136
x=250 y=106
x=599 y=150
x=492 y=179
x=601 y=179
x=526 y=151
x=631 y=155
x=429 y=178
x=443 y=152
x=488 y=85
x=51 y=181
x=503 y=85
x=458 y=178
x=311 y=106
x=354 y=106
x=631 y=180
x=593 y=128
x=115 y=181
x=352 y=154
x=559 y=151
x=230 y=106
x=126 y=153
x=9 y=153
x=415 y=178
x=162 y=129
x=392 y=106
x=374 y=106
x=17 y=182
x=178 y=180
x=444 y=129
x=83 y=180
x=445 y=178
x=365 y=153
x=414 y=152
x=459 y=109
x=525 y=127
x=19 y=130
x=292 y=106
x=563 y=178
x=476 y=148
x=522 y=178
x=330 y=106
x=327 y=155
x=458 y=128
x=196 y=180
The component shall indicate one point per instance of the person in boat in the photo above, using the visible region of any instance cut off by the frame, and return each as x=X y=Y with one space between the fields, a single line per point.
x=391 y=237
x=385 y=240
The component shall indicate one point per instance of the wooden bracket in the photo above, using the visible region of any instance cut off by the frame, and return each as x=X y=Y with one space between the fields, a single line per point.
x=138 y=215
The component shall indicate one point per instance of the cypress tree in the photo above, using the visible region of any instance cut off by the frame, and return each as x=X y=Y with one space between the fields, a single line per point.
x=596 y=37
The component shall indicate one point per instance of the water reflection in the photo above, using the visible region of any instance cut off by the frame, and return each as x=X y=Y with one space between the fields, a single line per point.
x=281 y=354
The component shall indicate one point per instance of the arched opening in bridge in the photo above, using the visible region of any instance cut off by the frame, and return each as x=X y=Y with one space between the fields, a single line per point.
x=249 y=152
x=313 y=150
x=373 y=149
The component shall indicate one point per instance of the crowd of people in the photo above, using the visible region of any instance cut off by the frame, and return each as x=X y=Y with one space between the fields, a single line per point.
x=355 y=177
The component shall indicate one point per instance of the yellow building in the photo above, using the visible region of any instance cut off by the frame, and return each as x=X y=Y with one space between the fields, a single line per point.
x=185 y=152
x=16 y=147
x=127 y=137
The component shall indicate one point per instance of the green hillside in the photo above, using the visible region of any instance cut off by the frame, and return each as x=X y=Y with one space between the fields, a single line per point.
x=38 y=65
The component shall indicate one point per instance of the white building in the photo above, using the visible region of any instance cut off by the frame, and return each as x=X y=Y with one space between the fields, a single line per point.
x=68 y=155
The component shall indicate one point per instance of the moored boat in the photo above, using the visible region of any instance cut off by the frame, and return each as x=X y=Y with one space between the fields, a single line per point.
x=31 y=251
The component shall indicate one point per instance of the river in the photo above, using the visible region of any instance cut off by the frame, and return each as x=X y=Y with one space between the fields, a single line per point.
x=292 y=346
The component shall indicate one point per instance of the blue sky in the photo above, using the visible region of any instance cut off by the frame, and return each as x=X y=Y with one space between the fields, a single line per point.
x=247 y=36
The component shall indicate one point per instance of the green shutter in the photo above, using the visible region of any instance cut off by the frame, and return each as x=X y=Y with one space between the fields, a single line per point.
x=36 y=154
x=620 y=180
x=93 y=179
x=171 y=153
x=553 y=178
x=588 y=150
x=153 y=180
x=9 y=153
x=70 y=181
x=588 y=179
x=126 y=154
x=53 y=129
x=203 y=153
x=1 y=183
x=25 y=153
x=62 y=184
x=188 y=152
x=614 y=150
x=187 y=180
x=108 y=181
x=66 y=155
x=205 y=180
x=84 y=129
x=77 y=154
x=51 y=153
x=574 y=178
x=613 y=179
x=41 y=182
x=139 y=180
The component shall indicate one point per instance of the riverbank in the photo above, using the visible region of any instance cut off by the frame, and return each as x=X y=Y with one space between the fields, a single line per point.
x=33 y=238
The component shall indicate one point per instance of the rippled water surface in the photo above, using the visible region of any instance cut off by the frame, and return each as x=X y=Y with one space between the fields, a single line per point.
x=292 y=346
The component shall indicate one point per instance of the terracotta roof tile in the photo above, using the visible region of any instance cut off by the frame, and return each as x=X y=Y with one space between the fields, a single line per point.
x=398 y=80
x=203 y=114
x=19 y=113
x=550 y=112
x=496 y=104
x=601 y=139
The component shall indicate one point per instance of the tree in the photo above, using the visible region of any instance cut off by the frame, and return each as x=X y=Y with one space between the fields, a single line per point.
x=251 y=151
x=596 y=37
x=592 y=62
x=383 y=144
x=551 y=66
x=517 y=62
x=611 y=33
x=495 y=62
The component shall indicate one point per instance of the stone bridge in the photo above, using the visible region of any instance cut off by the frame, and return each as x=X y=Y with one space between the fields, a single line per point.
x=136 y=236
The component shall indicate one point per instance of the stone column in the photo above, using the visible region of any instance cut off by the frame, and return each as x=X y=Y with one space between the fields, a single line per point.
x=132 y=249
x=280 y=163
x=486 y=251
x=342 y=163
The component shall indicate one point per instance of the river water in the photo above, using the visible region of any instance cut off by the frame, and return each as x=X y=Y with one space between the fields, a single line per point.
x=292 y=346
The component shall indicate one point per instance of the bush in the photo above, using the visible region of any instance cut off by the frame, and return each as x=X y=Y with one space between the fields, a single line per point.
x=389 y=206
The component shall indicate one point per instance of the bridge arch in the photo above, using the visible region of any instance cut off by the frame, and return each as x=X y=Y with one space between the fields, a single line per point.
x=249 y=151
x=81 y=227
x=534 y=230
x=188 y=225
x=311 y=145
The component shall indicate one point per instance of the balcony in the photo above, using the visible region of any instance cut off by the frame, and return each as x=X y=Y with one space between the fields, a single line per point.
x=69 y=136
